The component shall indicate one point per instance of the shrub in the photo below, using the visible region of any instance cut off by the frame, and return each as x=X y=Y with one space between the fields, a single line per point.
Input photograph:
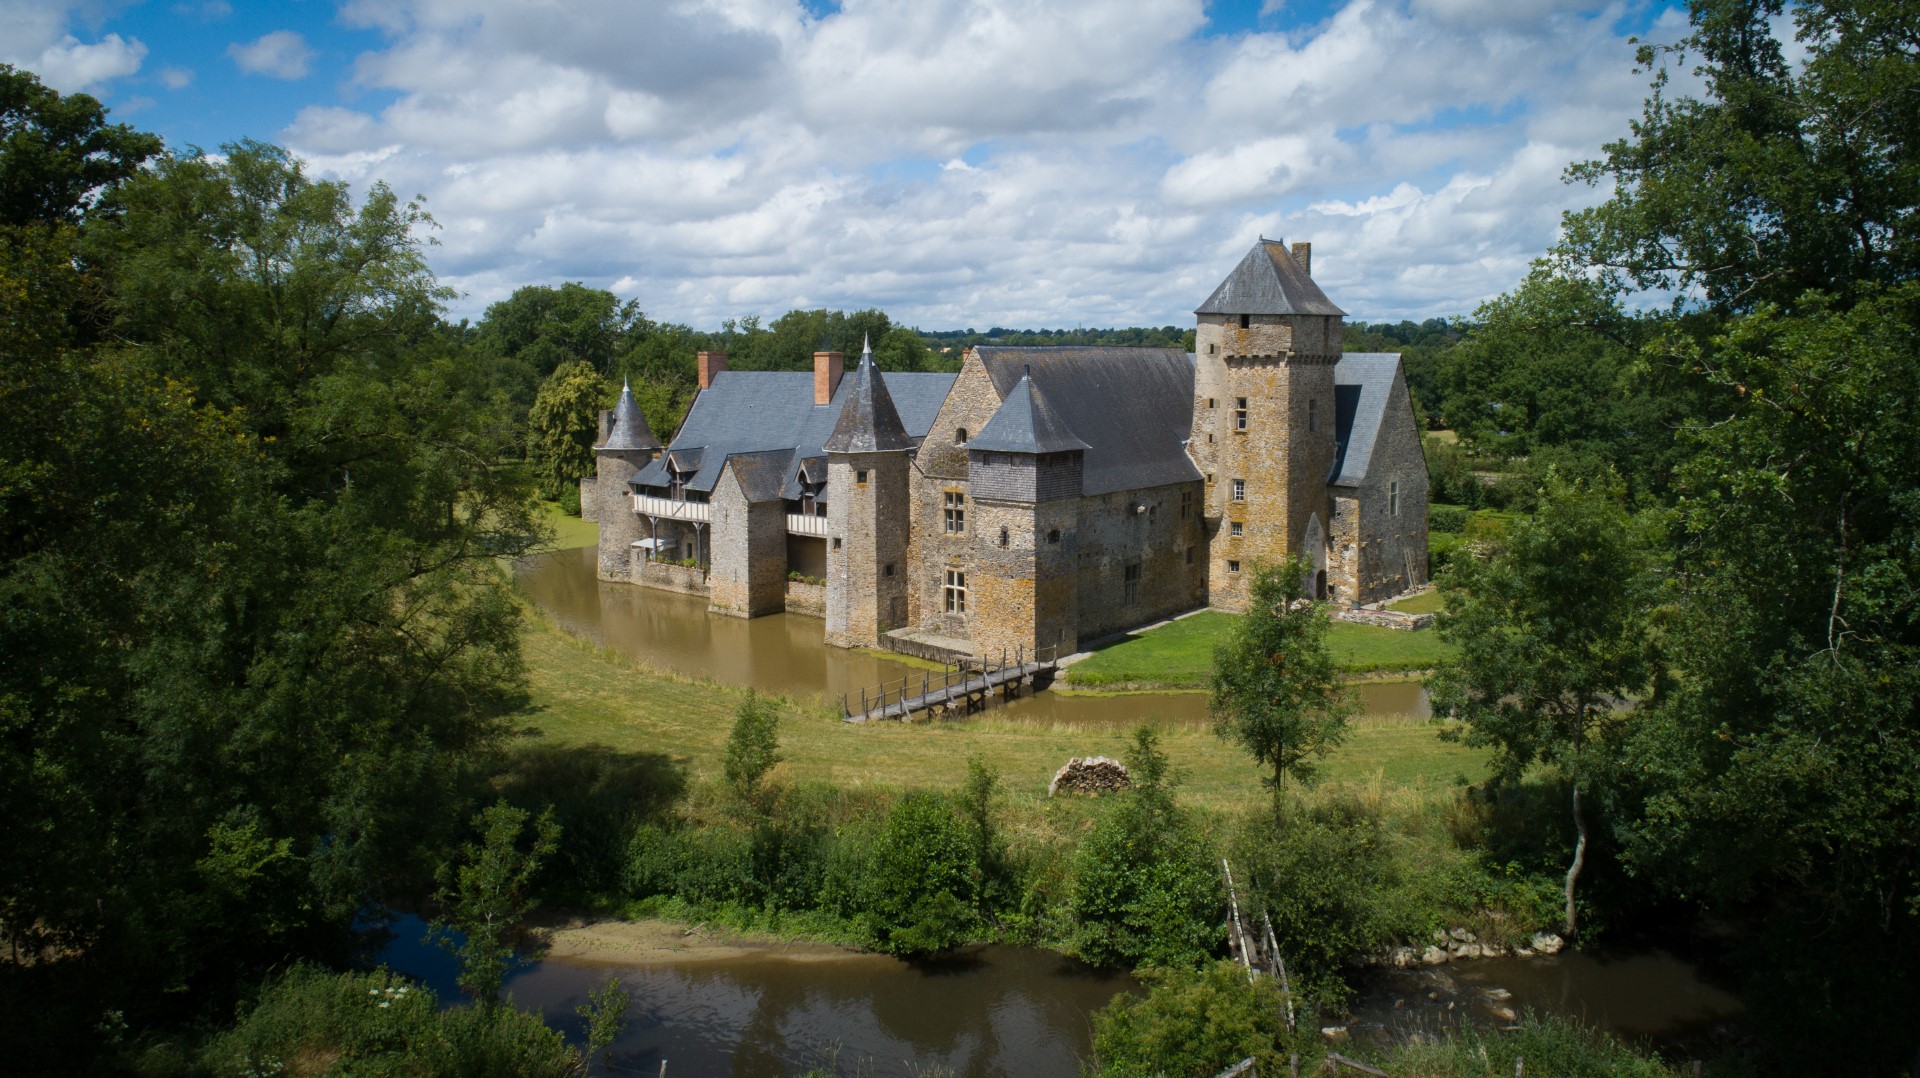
x=920 y=892
x=569 y=499
x=311 y=1021
x=1447 y=518
x=1196 y=1022
x=1558 y=1046
x=1321 y=877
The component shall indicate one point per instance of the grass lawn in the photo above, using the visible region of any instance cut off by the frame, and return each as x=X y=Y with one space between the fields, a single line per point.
x=584 y=695
x=1427 y=602
x=1180 y=655
x=569 y=531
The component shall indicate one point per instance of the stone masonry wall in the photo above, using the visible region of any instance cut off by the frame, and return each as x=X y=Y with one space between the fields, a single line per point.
x=590 y=498
x=687 y=579
x=748 y=559
x=620 y=527
x=867 y=575
x=1393 y=547
x=1113 y=533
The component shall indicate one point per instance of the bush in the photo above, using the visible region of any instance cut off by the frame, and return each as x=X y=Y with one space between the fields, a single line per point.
x=919 y=897
x=1447 y=518
x=311 y=1021
x=1196 y=1022
x=1557 y=1046
x=569 y=499
x=1321 y=876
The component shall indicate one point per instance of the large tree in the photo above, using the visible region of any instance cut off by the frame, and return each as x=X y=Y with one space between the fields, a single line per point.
x=562 y=425
x=1551 y=632
x=58 y=152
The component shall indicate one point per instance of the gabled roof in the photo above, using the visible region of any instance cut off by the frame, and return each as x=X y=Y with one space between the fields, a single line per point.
x=1133 y=407
x=1362 y=383
x=630 y=430
x=761 y=474
x=758 y=411
x=1268 y=281
x=868 y=422
x=1024 y=424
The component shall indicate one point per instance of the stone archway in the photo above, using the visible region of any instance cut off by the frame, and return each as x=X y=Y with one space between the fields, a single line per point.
x=1314 y=545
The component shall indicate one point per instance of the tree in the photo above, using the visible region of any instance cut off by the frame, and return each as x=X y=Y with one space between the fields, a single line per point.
x=1196 y=1022
x=753 y=750
x=57 y=153
x=1552 y=639
x=537 y=329
x=486 y=896
x=563 y=424
x=1276 y=691
x=921 y=891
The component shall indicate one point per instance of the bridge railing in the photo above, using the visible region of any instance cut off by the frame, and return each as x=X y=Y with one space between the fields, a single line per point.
x=969 y=676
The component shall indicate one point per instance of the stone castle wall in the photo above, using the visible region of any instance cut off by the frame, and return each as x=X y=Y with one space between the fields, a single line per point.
x=590 y=498
x=748 y=557
x=1114 y=533
x=620 y=527
x=1392 y=548
x=867 y=573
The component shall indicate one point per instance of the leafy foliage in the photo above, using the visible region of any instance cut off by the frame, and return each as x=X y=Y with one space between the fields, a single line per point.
x=57 y=152
x=488 y=895
x=562 y=426
x=753 y=750
x=1196 y=1022
x=921 y=879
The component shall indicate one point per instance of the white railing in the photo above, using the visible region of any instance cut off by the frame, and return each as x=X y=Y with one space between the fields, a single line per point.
x=671 y=509
x=806 y=524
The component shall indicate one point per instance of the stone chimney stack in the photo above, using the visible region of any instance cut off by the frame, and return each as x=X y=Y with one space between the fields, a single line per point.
x=1303 y=254
x=606 y=426
x=827 y=368
x=711 y=364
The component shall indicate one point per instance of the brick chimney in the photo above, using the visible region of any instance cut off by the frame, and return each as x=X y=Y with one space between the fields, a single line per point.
x=1303 y=254
x=711 y=364
x=827 y=368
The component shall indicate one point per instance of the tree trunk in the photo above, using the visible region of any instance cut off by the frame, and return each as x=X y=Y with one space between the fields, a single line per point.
x=1579 y=857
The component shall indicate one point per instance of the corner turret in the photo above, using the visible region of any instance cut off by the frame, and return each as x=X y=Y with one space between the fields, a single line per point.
x=867 y=511
x=627 y=447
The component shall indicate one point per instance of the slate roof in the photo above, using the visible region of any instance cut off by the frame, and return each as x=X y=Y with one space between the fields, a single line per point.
x=762 y=474
x=1362 y=382
x=630 y=430
x=1268 y=281
x=868 y=421
x=1132 y=406
x=764 y=411
x=1025 y=424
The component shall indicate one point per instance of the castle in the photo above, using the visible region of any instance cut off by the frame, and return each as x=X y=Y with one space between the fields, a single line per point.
x=1041 y=497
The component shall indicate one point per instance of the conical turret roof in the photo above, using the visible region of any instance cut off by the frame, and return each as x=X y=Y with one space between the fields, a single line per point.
x=1024 y=423
x=630 y=430
x=869 y=423
x=1268 y=281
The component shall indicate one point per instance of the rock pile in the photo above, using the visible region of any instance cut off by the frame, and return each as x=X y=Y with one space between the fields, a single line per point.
x=1092 y=775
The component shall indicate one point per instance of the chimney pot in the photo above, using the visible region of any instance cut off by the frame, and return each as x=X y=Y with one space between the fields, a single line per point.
x=711 y=364
x=827 y=368
x=1303 y=254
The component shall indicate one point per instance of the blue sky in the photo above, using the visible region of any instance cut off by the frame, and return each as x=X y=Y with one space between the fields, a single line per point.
x=956 y=162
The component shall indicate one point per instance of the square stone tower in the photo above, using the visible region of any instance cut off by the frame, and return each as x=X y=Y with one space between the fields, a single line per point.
x=1265 y=346
x=867 y=513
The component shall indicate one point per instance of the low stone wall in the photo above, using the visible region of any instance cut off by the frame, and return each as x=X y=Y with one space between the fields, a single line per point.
x=590 y=499
x=686 y=579
x=899 y=641
x=809 y=599
x=1386 y=619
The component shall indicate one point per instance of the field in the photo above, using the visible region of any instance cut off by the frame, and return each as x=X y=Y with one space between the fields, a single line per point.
x=583 y=695
x=568 y=531
x=1180 y=655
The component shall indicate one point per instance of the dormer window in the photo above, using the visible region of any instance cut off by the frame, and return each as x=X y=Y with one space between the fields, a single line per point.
x=960 y=436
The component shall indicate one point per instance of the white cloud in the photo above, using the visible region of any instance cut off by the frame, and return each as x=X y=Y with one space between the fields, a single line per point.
x=282 y=54
x=37 y=35
x=176 y=78
x=972 y=162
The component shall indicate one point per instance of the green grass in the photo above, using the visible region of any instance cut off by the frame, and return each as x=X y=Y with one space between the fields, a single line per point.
x=1180 y=655
x=569 y=531
x=1427 y=602
x=585 y=695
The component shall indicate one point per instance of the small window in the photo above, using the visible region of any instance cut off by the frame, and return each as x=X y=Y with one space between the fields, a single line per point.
x=1213 y=349
x=1236 y=529
x=1240 y=412
x=1209 y=478
x=1239 y=490
x=1132 y=582
x=960 y=436
x=956 y=592
x=860 y=477
x=956 y=515
x=1003 y=537
x=1245 y=321
x=1209 y=402
x=836 y=543
x=889 y=570
x=1313 y=423
x=1053 y=537
x=1189 y=555
x=1186 y=503
x=1393 y=498
x=1233 y=567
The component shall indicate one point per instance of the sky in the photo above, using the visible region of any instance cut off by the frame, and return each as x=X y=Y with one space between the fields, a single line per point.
x=956 y=163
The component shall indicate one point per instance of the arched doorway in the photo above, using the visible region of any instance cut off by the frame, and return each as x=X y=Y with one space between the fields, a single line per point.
x=1314 y=546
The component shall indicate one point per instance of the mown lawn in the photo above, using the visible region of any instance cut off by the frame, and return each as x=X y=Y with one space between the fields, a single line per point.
x=569 y=531
x=1180 y=655
x=584 y=695
x=1427 y=602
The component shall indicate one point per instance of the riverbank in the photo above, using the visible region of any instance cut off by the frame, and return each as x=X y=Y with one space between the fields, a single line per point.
x=591 y=938
x=1178 y=655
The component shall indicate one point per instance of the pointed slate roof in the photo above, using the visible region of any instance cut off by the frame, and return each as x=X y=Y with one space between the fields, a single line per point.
x=630 y=430
x=1268 y=281
x=1025 y=424
x=869 y=423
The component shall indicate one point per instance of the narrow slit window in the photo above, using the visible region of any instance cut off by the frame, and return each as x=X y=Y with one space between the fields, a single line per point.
x=1313 y=419
x=1003 y=537
x=1132 y=583
x=960 y=436
x=1393 y=498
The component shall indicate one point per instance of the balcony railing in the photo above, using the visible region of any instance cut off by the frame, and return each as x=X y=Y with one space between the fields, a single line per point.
x=806 y=524
x=698 y=512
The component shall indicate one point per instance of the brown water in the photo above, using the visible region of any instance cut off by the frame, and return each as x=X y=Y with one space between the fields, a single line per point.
x=786 y=653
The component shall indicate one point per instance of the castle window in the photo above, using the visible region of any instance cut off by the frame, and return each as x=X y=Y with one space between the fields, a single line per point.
x=889 y=570
x=1209 y=402
x=1233 y=567
x=1312 y=422
x=1245 y=321
x=1132 y=582
x=836 y=542
x=1189 y=555
x=960 y=436
x=1240 y=413
x=956 y=515
x=1209 y=478
x=1003 y=537
x=1053 y=537
x=860 y=477
x=1239 y=490
x=1236 y=529
x=1186 y=503
x=1212 y=349
x=1393 y=498
x=956 y=592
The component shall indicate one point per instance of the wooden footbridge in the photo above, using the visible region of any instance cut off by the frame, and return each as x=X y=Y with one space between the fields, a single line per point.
x=963 y=687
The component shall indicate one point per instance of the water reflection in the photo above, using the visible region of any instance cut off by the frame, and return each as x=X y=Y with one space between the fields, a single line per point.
x=785 y=653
